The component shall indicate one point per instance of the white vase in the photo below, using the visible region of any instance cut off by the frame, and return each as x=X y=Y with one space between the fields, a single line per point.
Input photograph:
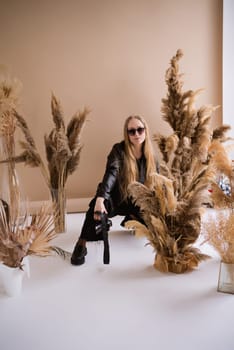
x=12 y=277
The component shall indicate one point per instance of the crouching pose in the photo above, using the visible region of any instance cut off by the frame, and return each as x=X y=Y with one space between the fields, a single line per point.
x=130 y=160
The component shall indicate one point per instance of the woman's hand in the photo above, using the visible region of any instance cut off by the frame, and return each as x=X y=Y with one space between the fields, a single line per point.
x=99 y=208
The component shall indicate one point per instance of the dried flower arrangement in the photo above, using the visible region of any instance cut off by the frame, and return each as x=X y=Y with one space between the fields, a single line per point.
x=30 y=237
x=171 y=208
x=218 y=226
x=218 y=231
x=10 y=89
x=63 y=149
x=19 y=237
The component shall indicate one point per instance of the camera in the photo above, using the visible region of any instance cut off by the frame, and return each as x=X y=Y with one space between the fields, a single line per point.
x=103 y=225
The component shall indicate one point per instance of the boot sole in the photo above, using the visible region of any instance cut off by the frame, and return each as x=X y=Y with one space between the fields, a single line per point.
x=79 y=261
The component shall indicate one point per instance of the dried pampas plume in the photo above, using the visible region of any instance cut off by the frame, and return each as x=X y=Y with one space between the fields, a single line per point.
x=218 y=231
x=10 y=91
x=63 y=148
x=171 y=206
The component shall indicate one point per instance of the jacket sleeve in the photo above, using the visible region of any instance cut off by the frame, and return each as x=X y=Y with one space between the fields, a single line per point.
x=114 y=161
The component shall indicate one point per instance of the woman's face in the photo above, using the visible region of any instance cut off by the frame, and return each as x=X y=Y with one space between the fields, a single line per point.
x=136 y=131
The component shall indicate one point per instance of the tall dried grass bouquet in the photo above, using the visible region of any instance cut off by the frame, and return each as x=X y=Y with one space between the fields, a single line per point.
x=171 y=207
x=10 y=91
x=63 y=148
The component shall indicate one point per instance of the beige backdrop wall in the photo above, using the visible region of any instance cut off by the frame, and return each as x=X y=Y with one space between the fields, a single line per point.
x=110 y=56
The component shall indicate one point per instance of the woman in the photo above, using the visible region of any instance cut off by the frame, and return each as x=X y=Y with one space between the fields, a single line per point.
x=130 y=160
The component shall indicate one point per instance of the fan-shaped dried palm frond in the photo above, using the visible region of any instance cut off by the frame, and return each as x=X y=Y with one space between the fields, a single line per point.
x=33 y=236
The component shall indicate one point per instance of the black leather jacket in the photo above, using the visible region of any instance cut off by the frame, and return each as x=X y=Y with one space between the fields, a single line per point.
x=109 y=188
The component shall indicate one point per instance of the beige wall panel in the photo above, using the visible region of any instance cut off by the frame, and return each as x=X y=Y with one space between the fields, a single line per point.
x=110 y=56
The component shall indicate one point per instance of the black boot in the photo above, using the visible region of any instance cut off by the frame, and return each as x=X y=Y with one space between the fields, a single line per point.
x=78 y=255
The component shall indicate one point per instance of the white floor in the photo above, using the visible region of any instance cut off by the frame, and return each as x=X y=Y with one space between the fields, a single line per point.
x=124 y=305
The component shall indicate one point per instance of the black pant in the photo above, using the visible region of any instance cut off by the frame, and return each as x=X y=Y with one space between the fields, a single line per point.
x=125 y=208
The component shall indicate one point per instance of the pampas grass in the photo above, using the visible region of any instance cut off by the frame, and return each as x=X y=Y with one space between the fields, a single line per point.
x=10 y=89
x=219 y=232
x=171 y=209
x=63 y=148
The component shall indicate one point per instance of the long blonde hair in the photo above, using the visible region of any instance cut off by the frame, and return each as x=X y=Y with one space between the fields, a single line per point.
x=130 y=171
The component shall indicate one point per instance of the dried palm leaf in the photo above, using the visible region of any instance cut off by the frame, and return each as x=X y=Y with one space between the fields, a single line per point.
x=62 y=253
x=32 y=236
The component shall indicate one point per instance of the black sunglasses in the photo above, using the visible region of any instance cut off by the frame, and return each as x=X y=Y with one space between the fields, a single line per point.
x=133 y=132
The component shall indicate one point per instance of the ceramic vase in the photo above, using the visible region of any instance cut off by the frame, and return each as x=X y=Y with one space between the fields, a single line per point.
x=12 y=277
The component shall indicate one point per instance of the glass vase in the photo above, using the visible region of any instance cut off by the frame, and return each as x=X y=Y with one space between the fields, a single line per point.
x=10 y=191
x=226 y=278
x=58 y=196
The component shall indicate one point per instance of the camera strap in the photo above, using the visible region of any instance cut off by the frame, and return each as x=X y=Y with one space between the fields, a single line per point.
x=106 y=253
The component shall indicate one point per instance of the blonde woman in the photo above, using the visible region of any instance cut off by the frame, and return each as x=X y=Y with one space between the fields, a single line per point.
x=130 y=160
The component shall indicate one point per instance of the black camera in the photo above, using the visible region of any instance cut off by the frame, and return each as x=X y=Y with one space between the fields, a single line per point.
x=102 y=227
